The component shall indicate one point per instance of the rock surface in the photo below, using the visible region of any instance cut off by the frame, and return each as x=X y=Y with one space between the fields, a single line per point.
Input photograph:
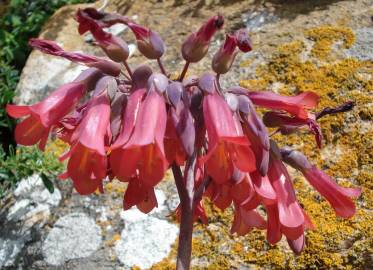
x=362 y=49
x=30 y=211
x=146 y=239
x=277 y=27
x=73 y=236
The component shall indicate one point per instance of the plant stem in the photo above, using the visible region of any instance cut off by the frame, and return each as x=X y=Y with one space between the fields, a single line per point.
x=125 y=75
x=342 y=108
x=127 y=68
x=218 y=83
x=183 y=73
x=163 y=70
x=185 y=187
x=201 y=189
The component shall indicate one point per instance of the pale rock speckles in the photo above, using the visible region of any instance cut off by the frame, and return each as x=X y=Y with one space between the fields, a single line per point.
x=31 y=210
x=73 y=236
x=146 y=239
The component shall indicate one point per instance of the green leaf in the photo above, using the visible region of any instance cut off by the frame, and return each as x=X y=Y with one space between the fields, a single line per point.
x=47 y=183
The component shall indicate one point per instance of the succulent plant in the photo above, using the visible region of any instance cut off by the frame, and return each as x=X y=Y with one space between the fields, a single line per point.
x=134 y=125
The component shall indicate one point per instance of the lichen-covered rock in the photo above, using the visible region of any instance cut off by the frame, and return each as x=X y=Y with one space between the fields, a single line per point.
x=32 y=198
x=362 y=48
x=73 y=236
x=146 y=242
x=146 y=238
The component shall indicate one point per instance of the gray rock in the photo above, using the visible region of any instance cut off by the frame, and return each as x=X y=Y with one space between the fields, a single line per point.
x=362 y=48
x=172 y=202
x=147 y=238
x=31 y=209
x=146 y=241
x=43 y=74
x=254 y=21
x=9 y=250
x=32 y=198
x=73 y=236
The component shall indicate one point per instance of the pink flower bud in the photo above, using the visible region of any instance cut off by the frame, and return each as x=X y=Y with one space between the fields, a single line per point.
x=114 y=47
x=243 y=40
x=207 y=83
x=158 y=82
x=196 y=45
x=104 y=19
x=223 y=59
x=50 y=47
x=149 y=43
x=140 y=77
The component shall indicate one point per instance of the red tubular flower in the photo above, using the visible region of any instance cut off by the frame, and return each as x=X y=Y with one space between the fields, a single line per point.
x=115 y=47
x=87 y=165
x=296 y=105
x=263 y=188
x=337 y=196
x=50 y=47
x=224 y=57
x=173 y=147
x=245 y=220
x=255 y=130
x=196 y=45
x=141 y=196
x=118 y=154
x=149 y=43
x=287 y=124
x=227 y=146
x=144 y=151
x=290 y=213
x=43 y=115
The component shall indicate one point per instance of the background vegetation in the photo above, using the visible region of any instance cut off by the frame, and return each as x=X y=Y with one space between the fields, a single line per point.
x=19 y=21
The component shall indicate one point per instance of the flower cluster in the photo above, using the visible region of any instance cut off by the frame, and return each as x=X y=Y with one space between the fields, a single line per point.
x=135 y=124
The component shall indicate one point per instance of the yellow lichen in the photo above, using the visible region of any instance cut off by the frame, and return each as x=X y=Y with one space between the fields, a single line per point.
x=325 y=36
x=336 y=243
x=111 y=242
x=56 y=147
